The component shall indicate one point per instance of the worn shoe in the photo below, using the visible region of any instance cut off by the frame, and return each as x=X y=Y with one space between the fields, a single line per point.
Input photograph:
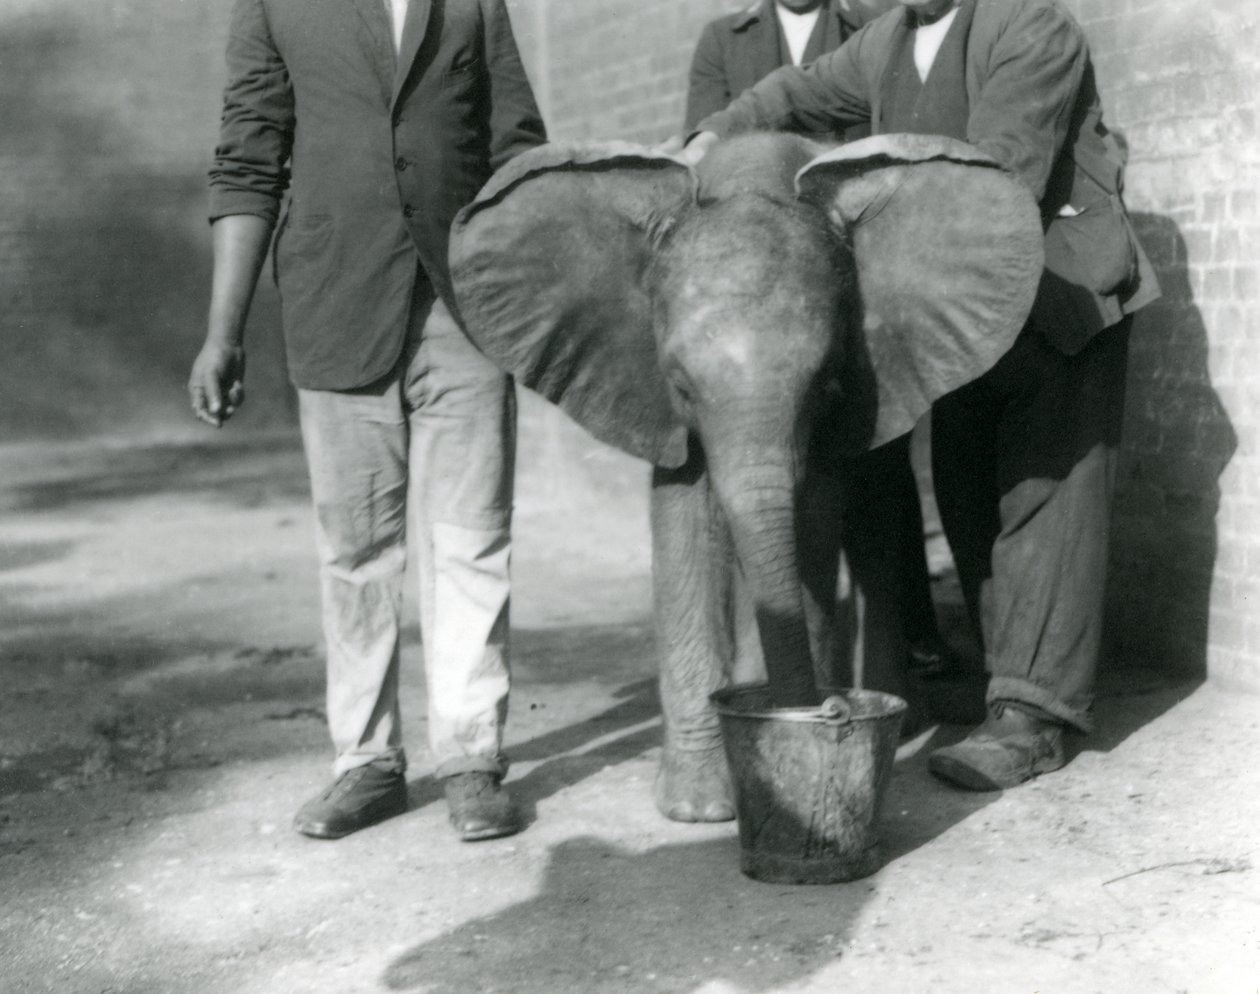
x=358 y=798
x=480 y=807
x=1012 y=746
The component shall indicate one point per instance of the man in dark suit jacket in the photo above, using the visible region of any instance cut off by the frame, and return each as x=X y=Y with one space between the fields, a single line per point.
x=740 y=49
x=1023 y=457
x=381 y=119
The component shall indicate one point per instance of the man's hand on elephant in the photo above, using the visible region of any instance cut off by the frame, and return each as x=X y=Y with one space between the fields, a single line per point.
x=698 y=147
x=671 y=145
x=216 y=386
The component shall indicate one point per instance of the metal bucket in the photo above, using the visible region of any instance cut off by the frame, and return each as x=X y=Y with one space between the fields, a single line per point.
x=809 y=782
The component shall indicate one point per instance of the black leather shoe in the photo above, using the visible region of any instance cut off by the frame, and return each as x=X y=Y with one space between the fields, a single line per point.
x=358 y=798
x=1011 y=747
x=480 y=807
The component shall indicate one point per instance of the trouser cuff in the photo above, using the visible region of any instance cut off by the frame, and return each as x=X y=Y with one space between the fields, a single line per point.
x=497 y=765
x=389 y=761
x=1038 y=698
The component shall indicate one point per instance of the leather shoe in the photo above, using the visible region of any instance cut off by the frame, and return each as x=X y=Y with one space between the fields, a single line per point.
x=1012 y=746
x=358 y=798
x=479 y=806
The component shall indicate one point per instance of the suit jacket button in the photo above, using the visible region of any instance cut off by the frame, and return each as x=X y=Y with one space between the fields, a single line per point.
x=408 y=210
x=400 y=163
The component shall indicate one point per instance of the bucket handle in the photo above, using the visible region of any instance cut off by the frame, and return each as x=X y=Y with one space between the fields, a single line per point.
x=837 y=713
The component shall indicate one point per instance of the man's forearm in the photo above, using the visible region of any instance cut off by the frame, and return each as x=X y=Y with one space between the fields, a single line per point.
x=240 y=246
x=764 y=106
x=827 y=96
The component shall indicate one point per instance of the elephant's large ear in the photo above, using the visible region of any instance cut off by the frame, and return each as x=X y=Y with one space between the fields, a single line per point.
x=548 y=268
x=948 y=251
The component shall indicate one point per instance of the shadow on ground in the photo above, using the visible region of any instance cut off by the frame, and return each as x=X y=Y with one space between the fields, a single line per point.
x=675 y=917
x=246 y=471
x=566 y=756
x=668 y=919
x=206 y=686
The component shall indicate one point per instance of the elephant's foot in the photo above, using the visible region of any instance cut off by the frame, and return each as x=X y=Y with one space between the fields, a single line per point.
x=695 y=785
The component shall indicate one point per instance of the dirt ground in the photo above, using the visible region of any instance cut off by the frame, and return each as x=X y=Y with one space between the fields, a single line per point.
x=161 y=718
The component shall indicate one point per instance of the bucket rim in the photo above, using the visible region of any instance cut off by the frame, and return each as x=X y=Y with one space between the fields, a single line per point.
x=723 y=702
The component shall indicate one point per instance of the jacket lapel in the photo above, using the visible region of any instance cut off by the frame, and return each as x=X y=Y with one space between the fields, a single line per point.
x=415 y=28
x=378 y=41
x=764 y=34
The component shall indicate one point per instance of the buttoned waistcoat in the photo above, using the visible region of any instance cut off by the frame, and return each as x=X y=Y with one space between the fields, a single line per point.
x=377 y=151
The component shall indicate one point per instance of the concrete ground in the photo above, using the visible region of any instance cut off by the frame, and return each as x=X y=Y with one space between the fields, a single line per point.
x=161 y=718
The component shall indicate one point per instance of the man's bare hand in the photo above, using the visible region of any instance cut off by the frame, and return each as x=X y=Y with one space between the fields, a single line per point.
x=216 y=386
x=698 y=148
x=670 y=146
x=690 y=152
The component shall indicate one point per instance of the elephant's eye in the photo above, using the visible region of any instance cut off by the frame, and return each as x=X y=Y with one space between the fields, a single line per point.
x=683 y=391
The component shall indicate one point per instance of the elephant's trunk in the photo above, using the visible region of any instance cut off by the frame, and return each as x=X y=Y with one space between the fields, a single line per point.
x=760 y=504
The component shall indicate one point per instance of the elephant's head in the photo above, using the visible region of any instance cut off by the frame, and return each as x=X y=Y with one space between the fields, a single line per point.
x=783 y=299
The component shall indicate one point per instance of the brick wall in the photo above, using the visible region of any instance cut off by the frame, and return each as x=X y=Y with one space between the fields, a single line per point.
x=104 y=256
x=615 y=69
x=1181 y=82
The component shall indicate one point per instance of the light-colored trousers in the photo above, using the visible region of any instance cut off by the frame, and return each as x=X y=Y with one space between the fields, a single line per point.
x=440 y=427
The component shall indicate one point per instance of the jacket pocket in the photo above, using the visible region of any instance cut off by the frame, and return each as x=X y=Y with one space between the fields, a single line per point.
x=1093 y=247
x=1091 y=256
x=457 y=75
x=302 y=247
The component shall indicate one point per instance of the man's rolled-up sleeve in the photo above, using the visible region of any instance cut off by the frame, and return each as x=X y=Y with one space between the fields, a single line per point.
x=828 y=95
x=1023 y=112
x=251 y=161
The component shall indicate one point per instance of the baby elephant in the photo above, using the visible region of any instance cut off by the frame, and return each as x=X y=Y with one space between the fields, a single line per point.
x=749 y=328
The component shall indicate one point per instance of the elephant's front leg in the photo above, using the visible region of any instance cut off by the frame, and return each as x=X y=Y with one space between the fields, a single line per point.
x=692 y=580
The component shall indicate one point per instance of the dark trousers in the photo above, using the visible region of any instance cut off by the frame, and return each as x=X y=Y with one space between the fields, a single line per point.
x=1023 y=461
x=884 y=546
x=884 y=508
